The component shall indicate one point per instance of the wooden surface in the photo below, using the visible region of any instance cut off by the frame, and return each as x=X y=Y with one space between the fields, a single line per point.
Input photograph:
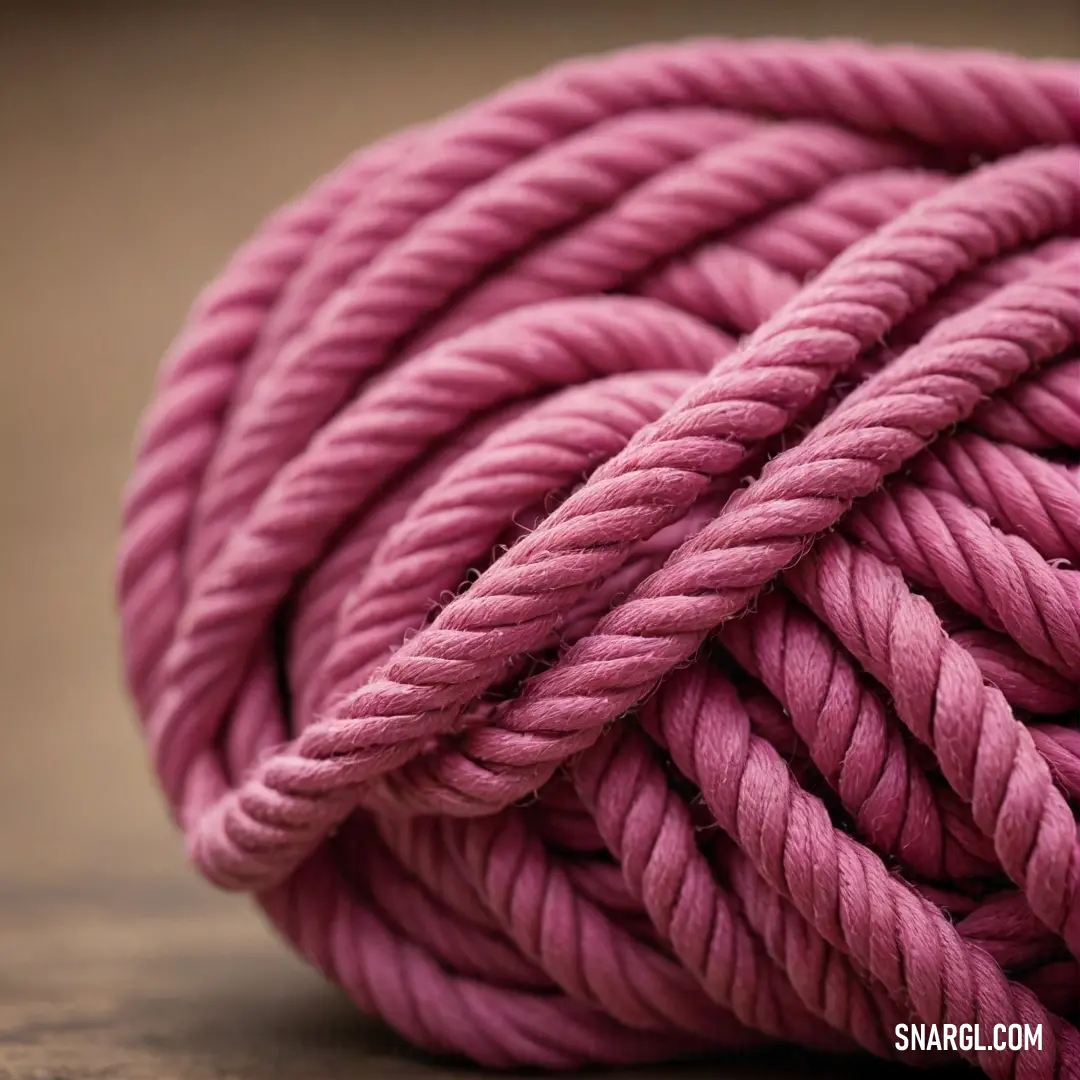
x=140 y=145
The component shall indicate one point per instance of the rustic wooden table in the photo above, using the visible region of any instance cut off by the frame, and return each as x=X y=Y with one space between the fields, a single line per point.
x=141 y=144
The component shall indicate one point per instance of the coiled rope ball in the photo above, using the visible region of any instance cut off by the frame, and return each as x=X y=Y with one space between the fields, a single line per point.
x=601 y=568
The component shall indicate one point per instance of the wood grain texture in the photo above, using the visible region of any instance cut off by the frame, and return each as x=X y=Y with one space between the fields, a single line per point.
x=141 y=143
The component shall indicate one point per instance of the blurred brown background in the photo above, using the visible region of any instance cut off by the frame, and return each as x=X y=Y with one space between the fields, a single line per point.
x=141 y=143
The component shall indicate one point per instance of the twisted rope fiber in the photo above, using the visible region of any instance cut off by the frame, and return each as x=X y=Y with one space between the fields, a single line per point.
x=600 y=567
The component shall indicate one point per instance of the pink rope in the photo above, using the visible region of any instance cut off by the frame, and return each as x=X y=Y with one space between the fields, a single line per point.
x=601 y=567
